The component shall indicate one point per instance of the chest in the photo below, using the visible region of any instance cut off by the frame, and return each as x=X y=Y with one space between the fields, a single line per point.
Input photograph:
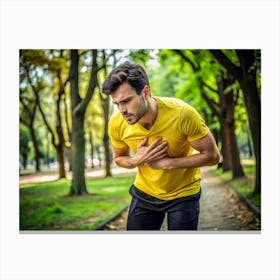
x=168 y=129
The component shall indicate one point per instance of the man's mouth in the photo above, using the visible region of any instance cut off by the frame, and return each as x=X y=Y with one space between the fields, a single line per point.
x=127 y=116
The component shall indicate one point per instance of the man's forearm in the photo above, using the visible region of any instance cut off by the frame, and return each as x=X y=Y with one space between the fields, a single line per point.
x=125 y=161
x=193 y=161
x=167 y=163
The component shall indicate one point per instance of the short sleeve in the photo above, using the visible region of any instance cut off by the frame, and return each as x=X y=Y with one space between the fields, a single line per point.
x=192 y=124
x=114 y=132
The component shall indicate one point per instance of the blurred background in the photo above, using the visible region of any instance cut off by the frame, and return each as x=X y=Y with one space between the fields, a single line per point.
x=63 y=114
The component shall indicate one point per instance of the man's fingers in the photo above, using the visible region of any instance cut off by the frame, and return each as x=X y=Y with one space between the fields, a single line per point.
x=161 y=147
x=155 y=142
x=159 y=153
x=152 y=145
x=143 y=142
x=156 y=150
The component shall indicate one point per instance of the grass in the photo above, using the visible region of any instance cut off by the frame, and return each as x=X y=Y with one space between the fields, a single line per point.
x=47 y=206
x=244 y=185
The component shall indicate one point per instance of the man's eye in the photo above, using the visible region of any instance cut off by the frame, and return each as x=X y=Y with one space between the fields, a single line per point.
x=125 y=101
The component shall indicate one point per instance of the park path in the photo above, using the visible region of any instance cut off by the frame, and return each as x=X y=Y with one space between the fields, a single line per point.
x=220 y=207
x=47 y=176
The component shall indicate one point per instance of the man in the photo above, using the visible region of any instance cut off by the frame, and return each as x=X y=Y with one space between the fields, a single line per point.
x=167 y=141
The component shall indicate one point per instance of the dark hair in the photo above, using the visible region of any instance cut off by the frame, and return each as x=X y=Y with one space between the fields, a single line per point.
x=133 y=74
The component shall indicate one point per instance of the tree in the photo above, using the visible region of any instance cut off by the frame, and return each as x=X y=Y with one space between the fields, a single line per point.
x=78 y=110
x=57 y=68
x=36 y=63
x=202 y=65
x=68 y=132
x=24 y=145
x=246 y=73
x=28 y=108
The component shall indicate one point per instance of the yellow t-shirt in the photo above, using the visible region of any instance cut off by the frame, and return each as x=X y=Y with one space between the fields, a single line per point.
x=177 y=123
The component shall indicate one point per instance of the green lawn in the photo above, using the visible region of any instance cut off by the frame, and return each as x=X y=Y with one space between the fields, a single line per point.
x=244 y=185
x=47 y=206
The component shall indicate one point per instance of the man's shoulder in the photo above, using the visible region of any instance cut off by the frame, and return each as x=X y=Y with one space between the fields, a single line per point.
x=116 y=115
x=179 y=108
x=116 y=118
x=169 y=101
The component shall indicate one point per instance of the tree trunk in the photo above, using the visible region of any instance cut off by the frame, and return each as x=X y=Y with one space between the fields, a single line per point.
x=78 y=185
x=233 y=151
x=106 y=138
x=220 y=111
x=246 y=76
x=91 y=148
x=78 y=109
x=24 y=160
x=222 y=119
x=99 y=155
x=249 y=144
x=48 y=149
x=60 y=159
x=252 y=101
x=61 y=141
x=68 y=146
x=69 y=157
x=106 y=105
x=224 y=148
x=248 y=84
x=36 y=149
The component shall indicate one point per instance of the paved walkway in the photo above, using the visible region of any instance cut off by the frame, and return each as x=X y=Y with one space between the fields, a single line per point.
x=221 y=209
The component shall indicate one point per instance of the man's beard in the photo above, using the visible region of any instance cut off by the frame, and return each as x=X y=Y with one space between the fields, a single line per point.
x=139 y=114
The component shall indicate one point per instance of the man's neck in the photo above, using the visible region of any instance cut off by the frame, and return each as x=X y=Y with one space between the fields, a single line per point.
x=148 y=119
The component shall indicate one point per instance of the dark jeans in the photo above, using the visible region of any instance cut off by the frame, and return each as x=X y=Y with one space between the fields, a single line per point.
x=147 y=213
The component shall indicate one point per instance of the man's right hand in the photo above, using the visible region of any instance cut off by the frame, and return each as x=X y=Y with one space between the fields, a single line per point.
x=146 y=154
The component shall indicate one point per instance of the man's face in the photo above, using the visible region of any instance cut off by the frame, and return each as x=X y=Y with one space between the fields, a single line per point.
x=132 y=106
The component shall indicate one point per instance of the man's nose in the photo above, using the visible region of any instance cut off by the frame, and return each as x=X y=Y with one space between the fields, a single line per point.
x=122 y=108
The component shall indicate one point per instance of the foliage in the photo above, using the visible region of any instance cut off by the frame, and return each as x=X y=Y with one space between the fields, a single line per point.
x=47 y=206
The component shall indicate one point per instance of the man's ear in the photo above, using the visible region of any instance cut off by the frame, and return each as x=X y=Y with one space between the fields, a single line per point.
x=146 y=92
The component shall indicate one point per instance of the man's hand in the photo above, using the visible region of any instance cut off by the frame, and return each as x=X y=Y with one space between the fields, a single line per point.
x=146 y=154
x=208 y=154
x=163 y=163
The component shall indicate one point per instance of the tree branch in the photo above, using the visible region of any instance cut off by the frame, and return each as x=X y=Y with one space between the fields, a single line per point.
x=209 y=87
x=226 y=62
x=38 y=102
x=23 y=121
x=211 y=103
x=179 y=52
x=92 y=84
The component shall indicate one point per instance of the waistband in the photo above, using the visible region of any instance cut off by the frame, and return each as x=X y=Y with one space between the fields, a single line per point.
x=162 y=204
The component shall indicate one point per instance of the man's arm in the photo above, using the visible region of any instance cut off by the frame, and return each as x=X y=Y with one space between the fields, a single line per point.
x=144 y=154
x=208 y=154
